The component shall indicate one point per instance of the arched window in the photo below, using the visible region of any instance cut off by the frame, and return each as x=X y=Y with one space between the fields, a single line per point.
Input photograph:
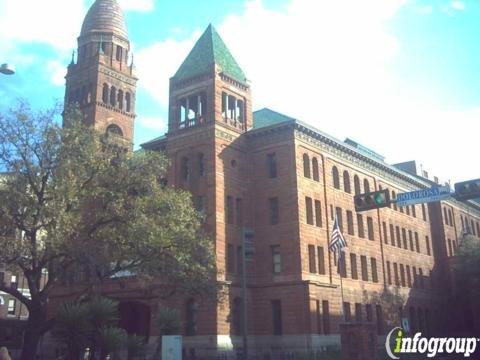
x=366 y=186
x=105 y=92
x=114 y=130
x=356 y=184
x=346 y=182
x=191 y=318
x=306 y=166
x=113 y=96
x=237 y=316
x=120 y=99
x=185 y=169
x=128 y=102
x=316 y=173
x=336 y=178
x=201 y=164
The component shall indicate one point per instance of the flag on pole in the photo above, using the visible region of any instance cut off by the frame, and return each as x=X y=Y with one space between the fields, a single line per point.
x=337 y=241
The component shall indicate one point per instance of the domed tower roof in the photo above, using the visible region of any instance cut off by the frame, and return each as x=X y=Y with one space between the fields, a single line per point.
x=105 y=16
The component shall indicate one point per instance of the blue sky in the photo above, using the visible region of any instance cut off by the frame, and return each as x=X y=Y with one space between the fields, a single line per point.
x=399 y=76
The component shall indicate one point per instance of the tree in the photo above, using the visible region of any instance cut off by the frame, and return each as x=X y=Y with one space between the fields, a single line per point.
x=76 y=202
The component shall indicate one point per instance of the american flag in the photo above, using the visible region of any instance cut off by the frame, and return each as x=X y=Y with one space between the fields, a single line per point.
x=337 y=241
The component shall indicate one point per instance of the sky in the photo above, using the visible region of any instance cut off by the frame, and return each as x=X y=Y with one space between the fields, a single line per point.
x=401 y=77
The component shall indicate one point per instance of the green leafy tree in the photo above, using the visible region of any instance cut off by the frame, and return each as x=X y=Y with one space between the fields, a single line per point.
x=74 y=201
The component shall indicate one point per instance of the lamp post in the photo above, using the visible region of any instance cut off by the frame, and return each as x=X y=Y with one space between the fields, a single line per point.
x=7 y=69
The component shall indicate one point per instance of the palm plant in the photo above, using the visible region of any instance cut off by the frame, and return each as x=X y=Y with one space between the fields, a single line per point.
x=111 y=340
x=72 y=328
x=135 y=347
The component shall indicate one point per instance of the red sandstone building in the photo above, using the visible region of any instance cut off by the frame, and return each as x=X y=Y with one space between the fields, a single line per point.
x=286 y=180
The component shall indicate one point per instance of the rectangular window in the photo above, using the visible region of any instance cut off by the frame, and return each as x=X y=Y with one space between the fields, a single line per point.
x=361 y=229
x=404 y=238
x=277 y=317
x=353 y=266
x=312 y=265
x=12 y=305
x=272 y=165
x=421 y=278
x=415 y=277
x=374 y=270
x=371 y=235
x=318 y=213
x=427 y=243
x=229 y=210
x=273 y=205
x=338 y=212
x=385 y=232
x=424 y=213
x=395 y=271
x=368 y=310
x=318 y=316
x=239 y=211
x=417 y=243
x=409 y=276
x=230 y=259
x=347 y=312
x=239 y=260
x=402 y=275
x=358 y=313
x=321 y=260
x=389 y=273
x=363 y=264
x=309 y=210
x=410 y=239
x=399 y=239
x=326 y=317
x=276 y=259
x=350 y=228
x=392 y=235
x=343 y=266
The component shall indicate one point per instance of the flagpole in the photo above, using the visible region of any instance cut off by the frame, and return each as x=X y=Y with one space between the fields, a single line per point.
x=341 y=283
x=339 y=259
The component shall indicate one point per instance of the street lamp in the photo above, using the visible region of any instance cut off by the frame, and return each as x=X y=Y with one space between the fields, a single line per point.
x=7 y=69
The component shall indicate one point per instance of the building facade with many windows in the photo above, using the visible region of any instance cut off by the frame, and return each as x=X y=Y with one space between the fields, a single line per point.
x=287 y=181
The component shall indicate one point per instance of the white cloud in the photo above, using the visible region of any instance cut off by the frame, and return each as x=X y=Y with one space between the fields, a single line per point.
x=423 y=9
x=137 y=5
x=157 y=63
x=57 y=71
x=151 y=123
x=53 y=22
x=329 y=64
x=457 y=5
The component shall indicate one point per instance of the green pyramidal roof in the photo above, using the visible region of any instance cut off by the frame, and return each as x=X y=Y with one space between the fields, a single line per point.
x=210 y=49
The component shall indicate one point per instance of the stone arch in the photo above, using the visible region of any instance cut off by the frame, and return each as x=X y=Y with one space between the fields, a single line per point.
x=114 y=129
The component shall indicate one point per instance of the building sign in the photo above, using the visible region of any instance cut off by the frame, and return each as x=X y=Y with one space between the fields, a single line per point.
x=433 y=194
